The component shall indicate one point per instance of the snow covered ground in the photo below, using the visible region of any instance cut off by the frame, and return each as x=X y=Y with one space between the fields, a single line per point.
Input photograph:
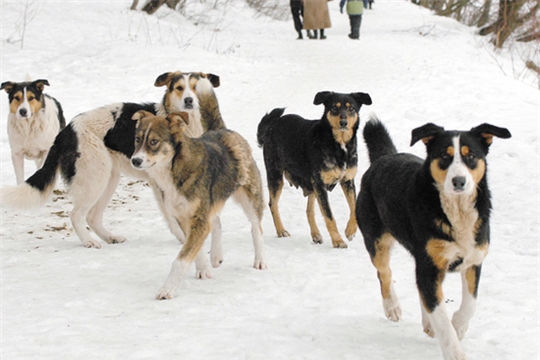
x=60 y=300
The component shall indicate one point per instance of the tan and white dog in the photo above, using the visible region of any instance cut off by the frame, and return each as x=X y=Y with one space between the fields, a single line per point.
x=94 y=150
x=196 y=176
x=34 y=120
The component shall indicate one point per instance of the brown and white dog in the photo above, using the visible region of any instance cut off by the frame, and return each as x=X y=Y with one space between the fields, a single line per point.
x=34 y=120
x=95 y=149
x=196 y=176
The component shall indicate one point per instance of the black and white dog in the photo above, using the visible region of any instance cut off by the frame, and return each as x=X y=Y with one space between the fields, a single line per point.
x=94 y=150
x=438 y=209
x=34 y=120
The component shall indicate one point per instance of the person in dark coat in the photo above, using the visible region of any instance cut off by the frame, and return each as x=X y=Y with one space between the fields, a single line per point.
x=297 y=10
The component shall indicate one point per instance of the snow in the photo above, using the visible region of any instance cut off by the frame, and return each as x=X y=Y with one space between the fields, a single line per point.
x=61 y=300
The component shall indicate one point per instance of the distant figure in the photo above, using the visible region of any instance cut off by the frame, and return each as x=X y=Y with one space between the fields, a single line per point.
x=316 y=17
x=355 y=8
x=297 y=10
x=370 y=3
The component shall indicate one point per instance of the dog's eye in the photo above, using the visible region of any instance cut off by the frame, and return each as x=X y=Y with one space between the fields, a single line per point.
x=30 y=98
x=137 y=139
x=445 y=156
x=180 y=88
x=153 y=142
x=470 y=157
x=351 y=110
x=17 y=98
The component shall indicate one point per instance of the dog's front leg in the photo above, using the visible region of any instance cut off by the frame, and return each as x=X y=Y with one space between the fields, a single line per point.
x=469 y=280
x=350 y=194
x=18 y=166
x=200 y=228
x=324 y=204
x=429 y=277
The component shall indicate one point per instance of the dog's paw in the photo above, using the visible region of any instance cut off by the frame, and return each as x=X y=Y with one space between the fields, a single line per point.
x=203 y=274
x=350 y=231
x=216 y=261
x=283 y=233
x=116 y=239
x=260 y=265
x=392 y=309
x=427 y=329
x=339 y=244
x=317 y=238
x=164 y=294
x=91 y=243
x=460 y=326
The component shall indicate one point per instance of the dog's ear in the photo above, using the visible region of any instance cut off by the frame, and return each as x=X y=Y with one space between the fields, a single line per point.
x=8 y=85
x=361 y=98
x=165 y=79
x=141 y=114
x=486 y=132
x=177 y=123
x=214 y=79
x=322 y=96
x=425 y=133
x=40 y=84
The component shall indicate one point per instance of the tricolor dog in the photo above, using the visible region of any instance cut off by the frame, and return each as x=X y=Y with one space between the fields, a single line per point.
x=95 y=149
x=314 y=155
x=438 y=209
x=196 y=176
x=34 y=120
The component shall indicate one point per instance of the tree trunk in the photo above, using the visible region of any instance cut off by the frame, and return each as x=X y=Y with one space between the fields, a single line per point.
x=152 y=6
x=484 y=17
x=134 y=5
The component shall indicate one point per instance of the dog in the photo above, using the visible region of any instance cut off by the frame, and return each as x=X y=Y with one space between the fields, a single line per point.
x=95 y=148
x=34 y=120
x=438 y=209
x=314 y=155
x=196 y=177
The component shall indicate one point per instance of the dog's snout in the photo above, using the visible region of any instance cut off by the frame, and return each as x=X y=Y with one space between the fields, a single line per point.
x=459 y=182
x=188 y=102
x=343 y=122
x=23 y=112
x=136 y=162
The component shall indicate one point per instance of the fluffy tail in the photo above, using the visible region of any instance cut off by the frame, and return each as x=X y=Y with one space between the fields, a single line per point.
x=377 y=139
x=208 y=106
x=35 y=191
x=265 y=122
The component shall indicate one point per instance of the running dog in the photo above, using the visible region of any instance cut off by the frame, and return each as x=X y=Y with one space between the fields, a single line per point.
x=34 y=120
x=314 y=155
x=438 y=209
x=95 y=149
x=196 y=176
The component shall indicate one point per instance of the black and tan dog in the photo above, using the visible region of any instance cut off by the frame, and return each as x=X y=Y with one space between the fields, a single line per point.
x=196 y=176
x=438 y=209
x=34 y=120
x=314 y=155
x=94 y=150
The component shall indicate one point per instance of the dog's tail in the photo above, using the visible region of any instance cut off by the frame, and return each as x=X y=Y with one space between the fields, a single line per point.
x=377 y=139
x=37 y=189
x=210 y=115
x=265 y=123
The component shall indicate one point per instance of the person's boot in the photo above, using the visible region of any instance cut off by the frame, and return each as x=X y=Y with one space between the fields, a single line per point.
x=309 y=34
x=300 y=37
x=322 y=34
x=315 y=34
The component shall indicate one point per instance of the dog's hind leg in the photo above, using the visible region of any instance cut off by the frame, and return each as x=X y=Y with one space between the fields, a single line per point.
x=379 y=251
x=275 y=187
x=95 y=215
x=310 y=212
x=350 y=194
x=251 y=200
x=216 y=251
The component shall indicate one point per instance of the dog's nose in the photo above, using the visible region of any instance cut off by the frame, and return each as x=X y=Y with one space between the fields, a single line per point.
x=136 y=162
x=343 y=123
x=188 y=102
x=458 y=182
x=23 y=112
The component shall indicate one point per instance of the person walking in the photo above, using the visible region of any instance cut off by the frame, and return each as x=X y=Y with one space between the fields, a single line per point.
x=297 y=10
x=316 y=17
x=355 y=9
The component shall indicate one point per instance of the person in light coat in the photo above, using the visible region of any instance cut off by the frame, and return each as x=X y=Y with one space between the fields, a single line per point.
x=355 y=9
x=316 y=17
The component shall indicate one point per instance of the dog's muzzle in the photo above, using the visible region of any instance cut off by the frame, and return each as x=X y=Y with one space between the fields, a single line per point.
x=136 y=162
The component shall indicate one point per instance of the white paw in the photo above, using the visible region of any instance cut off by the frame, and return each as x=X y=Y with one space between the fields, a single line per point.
x=165 y=294
x=91 y=244
x=203 y=274
x=260 y=265
x=392 y=309
x=460 y=326
x=216 y=259
x=116 y=239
